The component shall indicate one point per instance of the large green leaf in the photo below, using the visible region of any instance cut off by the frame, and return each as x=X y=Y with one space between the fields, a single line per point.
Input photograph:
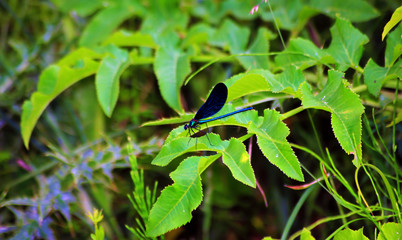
x=104 y=22
x=232 y=36
x=130 y=39
x=271 y=138
x=53 y=81
x=214 y=11
x=108 y=78
x=302 y=53
x=164 y=16
x=260 y=45
x=259 y=80
x=306 y=235
x=246 y=83
x=375 y=76
x=394 y=46
x=349 y=234
x=198 y=34
x=236 y=38
x=176 y=202
x=285 y=13
x=74 y=59
x=234 y=154
x=345 y=108
x=390 y=230
x=347 y=44
x=355 y=10
x=171 y=67
x=395 y=19
x=288 y=81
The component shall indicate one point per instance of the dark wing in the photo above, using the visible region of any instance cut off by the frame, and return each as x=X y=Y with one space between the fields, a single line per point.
x=214 y=103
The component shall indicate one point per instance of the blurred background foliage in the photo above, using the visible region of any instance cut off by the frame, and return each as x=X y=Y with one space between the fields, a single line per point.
x=78 y=158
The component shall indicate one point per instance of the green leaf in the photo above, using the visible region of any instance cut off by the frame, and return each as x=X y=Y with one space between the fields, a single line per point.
x=390 y=230
x=259 y=80
x=271 y=138
x=176 y=202
x=259 y=46
x=47 y=78
x=347 y=44
x=246 y=83
x=345 y=108
x=164 y=17
x=104 y=22
x=355 y=11
x=135 y=59
x=198 y=34
x=288 y=81
x=171 y=67
x=108 y=76
x=214 y=11
x=302 y=53
x=374 y=77
x=234 y=154
x=130 y=39
x=349 y=234
x=306 y=235
x=53 y=81
x=305 y=14
x=236 y=38
x=395 y=19
x=231 y=35
x=285 y=13
x=394 y=46
x=236 y=158
x=74 y=59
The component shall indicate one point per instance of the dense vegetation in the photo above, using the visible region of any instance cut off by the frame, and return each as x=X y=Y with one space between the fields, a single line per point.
x=94 y=96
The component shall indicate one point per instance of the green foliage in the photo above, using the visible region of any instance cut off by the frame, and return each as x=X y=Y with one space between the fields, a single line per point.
x=306 y=235
x=52 y=82
x=374 y=75
x=271 y=138
x=177 y=201
x=395 y=19
x=355 y=11
x=390 y=231
x=107 y=78
x=96 y=217
x=142 y=199
x=345 y=108
x=131 y=61
x=350 y=234
x=171 y=67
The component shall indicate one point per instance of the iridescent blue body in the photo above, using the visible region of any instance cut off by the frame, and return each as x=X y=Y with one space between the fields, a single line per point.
x=213 y=105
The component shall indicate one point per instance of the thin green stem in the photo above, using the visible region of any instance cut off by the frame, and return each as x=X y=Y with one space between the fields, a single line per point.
x=296 y=210
x=393 y=138
x=316 y=134
x=291 y=112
